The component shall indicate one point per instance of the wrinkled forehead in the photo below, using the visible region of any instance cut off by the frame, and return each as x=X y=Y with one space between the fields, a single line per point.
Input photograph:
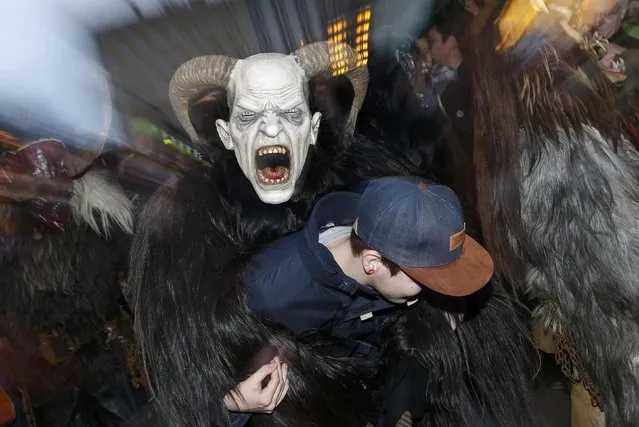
x=274 y=77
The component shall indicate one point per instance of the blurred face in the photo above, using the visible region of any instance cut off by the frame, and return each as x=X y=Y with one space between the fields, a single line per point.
x=397 y=289
x=424 y=49
x=440 y=49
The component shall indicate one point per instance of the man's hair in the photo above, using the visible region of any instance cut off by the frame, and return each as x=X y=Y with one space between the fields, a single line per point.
x=358 y=246
x=450 y=21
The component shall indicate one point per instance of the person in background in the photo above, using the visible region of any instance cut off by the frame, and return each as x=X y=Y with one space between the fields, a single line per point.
x=446 y=37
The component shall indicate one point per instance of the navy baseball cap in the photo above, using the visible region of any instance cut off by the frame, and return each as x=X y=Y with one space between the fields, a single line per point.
x=419 y=225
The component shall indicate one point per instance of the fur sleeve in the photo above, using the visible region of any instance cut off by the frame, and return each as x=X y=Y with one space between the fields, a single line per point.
x=580 y=218
x=198 y=337
x=182 y=276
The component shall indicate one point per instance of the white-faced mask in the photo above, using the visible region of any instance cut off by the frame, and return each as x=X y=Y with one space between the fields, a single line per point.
x=270 y=127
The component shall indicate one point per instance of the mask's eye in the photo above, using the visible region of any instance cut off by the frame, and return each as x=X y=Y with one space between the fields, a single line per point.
x=294 y=114
x=247 y=116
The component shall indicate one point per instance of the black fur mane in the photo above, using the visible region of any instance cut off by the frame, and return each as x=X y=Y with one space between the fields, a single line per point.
x=196 y=333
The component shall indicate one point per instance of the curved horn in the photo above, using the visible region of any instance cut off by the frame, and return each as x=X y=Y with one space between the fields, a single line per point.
x=192 y=76
x=316 y=58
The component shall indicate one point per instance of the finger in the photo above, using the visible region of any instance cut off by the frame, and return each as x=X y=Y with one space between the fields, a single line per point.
x=280 y=390
x=285 y=388
x=277 y=390
x=264 y=372
x=268 y=391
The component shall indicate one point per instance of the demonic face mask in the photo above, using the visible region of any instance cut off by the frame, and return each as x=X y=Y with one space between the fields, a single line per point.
x=270 y=126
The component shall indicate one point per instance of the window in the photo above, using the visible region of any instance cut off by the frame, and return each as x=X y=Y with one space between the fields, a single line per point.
x=350 y=31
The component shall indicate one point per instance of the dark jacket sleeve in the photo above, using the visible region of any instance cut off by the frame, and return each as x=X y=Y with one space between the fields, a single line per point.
x=238 y=419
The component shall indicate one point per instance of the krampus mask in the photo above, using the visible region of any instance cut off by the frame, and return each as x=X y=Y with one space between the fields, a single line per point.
x=270 y=127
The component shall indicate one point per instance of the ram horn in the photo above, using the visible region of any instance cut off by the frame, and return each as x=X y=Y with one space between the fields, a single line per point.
x=193 y=76
x=322 y=56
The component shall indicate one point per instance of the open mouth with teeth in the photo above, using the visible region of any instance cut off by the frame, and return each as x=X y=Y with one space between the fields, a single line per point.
x=273 y=164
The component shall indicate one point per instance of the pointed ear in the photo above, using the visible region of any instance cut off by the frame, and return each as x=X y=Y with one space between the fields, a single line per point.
x=223 y=131
x=315 y=124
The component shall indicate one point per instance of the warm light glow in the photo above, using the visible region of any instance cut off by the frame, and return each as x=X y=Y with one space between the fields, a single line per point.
x=361 y=42
x=339 y=31
x=336 y=36
x=571 y=17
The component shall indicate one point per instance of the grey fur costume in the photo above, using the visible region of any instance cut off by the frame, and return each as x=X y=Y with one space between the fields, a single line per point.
x=580 y=207
x=558 y=196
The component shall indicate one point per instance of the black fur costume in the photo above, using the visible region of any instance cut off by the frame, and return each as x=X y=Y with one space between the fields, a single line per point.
x=558 y=191
x=68 y=331
x=199 y=339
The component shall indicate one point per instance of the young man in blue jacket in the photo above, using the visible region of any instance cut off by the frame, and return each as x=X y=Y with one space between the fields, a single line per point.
x=358 y=258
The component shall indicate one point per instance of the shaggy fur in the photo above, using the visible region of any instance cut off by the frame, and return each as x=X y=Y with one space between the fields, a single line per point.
x=100 y=203
x=467 y=377
x=195 y=330
x=558 y=194
x=63 y=281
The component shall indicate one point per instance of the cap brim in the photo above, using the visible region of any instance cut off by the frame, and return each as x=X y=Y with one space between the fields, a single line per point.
x=471 y=272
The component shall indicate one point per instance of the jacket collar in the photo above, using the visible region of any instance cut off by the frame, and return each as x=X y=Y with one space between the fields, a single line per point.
x=334 y=209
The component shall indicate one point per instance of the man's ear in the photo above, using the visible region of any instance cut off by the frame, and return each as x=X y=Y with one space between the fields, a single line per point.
x=315 y=124
x=372 y=261
x=223 y=131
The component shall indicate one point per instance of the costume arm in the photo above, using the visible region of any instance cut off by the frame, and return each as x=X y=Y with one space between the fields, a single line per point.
x=189 y=307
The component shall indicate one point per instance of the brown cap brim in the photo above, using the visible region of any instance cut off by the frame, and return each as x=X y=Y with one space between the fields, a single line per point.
x=467 y=275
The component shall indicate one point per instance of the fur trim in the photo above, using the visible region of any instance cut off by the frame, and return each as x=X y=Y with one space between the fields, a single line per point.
x=101 y=203
x=468 y=376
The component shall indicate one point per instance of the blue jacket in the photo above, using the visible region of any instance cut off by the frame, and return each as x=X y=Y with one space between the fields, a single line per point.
x=296 y=282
